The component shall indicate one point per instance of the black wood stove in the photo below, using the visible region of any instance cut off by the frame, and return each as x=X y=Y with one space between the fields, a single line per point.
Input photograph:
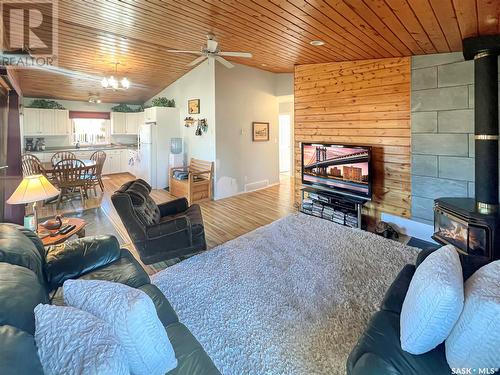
x=473 y=225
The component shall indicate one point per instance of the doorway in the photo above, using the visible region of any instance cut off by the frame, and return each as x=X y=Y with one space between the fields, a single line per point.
x=285 y=143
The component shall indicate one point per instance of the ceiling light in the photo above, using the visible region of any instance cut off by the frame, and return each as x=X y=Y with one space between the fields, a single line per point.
x=115 y=84
x=94 y=99
x=316 y=43
x=125 y=83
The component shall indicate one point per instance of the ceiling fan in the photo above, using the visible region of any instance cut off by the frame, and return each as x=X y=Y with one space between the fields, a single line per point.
x=212 y=51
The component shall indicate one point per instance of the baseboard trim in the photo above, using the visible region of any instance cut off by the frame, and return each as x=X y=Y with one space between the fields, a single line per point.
x=248 y=191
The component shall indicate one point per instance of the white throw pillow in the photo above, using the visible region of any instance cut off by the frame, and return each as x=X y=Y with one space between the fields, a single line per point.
x=132 y=315
x=74 y=342
x=433 y=302
x=474 y=342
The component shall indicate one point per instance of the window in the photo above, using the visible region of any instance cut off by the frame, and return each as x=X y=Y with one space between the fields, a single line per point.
x=91 y=131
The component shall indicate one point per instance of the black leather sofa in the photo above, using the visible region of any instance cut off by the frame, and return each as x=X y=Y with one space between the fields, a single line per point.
x=159 y=232
x=378 y=351
x=30 y=275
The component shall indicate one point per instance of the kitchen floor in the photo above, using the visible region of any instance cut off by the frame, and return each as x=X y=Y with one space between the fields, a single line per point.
x=224 y=219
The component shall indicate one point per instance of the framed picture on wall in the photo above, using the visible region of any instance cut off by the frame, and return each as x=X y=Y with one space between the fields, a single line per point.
x=194 y=106
x=260 y=131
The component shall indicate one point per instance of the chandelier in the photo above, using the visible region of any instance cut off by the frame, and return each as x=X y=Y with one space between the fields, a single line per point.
x=112 y=83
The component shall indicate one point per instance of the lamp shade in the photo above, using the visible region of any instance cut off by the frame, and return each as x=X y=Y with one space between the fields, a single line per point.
x=33 y=189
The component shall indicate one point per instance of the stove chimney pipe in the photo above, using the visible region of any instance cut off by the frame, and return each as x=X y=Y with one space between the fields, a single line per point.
x=486 y=131
x=485 y=51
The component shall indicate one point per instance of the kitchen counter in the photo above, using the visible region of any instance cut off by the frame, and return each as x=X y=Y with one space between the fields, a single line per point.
x=119 y=157
x=88 y=148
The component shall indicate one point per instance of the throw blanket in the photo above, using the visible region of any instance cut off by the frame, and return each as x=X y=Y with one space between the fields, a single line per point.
x=292 y=297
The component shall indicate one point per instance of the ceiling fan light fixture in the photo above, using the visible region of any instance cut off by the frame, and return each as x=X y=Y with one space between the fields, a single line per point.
x=212 y=51
x=125 y=83
x=317 y=43
x=94 y=99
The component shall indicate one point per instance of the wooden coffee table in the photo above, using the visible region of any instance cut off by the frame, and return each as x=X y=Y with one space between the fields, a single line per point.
x=60 y=238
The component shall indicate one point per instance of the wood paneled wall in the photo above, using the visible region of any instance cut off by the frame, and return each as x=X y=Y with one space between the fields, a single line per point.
x=364 y=102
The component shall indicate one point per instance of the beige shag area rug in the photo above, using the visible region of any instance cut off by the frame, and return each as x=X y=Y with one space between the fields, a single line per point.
x=288 y=298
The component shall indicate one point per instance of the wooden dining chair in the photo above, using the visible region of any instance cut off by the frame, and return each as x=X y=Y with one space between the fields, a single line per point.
x=99 y=157
x=31 y=165
x=72 y=178
x=62 y=155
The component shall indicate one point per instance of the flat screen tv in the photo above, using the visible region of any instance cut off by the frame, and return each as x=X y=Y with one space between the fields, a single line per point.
x=343 y=169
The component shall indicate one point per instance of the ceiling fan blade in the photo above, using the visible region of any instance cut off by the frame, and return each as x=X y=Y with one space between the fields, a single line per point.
x=212 y=45
x=197 y=61
x=224 y=62
x=236 y=54
x=178 y=51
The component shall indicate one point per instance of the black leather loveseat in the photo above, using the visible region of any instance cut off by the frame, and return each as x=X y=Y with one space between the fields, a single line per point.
x=378 y=351
x=30 y=275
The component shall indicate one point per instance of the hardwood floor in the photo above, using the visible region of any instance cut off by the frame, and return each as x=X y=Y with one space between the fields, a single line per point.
x=224 y=219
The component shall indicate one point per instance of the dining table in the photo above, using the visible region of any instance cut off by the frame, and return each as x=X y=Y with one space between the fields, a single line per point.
x=48 y=167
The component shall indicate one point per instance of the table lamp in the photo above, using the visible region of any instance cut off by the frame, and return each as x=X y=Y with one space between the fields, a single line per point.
x=31 y=190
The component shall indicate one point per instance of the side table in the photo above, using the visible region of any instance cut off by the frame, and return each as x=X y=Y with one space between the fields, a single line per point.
x=60 y=238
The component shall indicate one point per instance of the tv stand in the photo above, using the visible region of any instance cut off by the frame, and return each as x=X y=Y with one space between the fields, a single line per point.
x=338 y=208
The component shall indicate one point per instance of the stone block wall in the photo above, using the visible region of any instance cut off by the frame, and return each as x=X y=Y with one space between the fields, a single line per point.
x=442 y=122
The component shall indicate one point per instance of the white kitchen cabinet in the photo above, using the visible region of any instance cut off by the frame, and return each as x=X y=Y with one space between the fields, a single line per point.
x=113 y=162
x=150 y=114
x=118 y=123
x=140 y=119
x=126 y=123
x=39 y=122
x=129 y=123
x=124 y=158
x=61 y=122
x=132 y=123
x=106 y=167
x=31 y=121
x=47 y=122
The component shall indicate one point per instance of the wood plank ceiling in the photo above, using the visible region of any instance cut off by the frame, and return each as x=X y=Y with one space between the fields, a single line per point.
x=93 y=34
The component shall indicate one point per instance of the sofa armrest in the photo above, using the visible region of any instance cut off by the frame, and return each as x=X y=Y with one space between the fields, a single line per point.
x=75 y=258
x=173 y=207
x=169 y=228
x=396 y=294
x=422 y=255
x=372 y=364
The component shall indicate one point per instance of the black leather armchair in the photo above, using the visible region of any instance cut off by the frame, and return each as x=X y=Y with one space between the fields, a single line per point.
x=159 y=232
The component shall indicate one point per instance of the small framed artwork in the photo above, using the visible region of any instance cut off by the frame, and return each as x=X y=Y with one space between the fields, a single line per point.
x=194 y=106
x=260 y=131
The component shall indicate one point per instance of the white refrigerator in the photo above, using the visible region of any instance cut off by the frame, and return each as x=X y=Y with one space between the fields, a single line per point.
x=153 y=147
